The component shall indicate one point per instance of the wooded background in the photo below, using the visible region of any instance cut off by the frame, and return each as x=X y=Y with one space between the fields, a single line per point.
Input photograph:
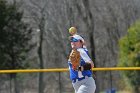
x=101 y=22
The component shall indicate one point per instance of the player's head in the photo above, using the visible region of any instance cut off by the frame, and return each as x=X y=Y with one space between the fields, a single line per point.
x=76 y=41
x=72 y=30
x=76 y=38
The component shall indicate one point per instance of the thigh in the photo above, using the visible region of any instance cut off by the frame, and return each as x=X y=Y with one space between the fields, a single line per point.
x=88 y=86
x=76 y=86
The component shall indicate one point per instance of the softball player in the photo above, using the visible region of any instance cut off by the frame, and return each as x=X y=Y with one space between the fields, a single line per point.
x=82 y=80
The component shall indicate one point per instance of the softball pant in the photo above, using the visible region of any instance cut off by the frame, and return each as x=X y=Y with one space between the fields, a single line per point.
x=86 y=85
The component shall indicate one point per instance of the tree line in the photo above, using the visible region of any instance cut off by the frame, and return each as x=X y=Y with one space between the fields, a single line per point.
x=15 y=37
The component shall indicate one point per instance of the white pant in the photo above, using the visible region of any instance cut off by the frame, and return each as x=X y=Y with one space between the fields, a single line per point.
x=86 y=85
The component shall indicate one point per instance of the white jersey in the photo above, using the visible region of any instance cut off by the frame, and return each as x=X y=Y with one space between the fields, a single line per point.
x=84 y=55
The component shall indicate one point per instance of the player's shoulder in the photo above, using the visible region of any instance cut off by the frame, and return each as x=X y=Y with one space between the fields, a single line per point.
x=82 y=50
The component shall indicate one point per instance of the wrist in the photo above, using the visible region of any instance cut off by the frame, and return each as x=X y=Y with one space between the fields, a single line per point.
x=87 y=66
x=81 y=68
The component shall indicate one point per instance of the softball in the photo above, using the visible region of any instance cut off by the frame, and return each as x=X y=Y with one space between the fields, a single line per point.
x=72 y=30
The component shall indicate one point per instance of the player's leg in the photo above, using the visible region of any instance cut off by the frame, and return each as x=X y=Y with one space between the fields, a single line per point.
x=76 y=86
x=88 y=86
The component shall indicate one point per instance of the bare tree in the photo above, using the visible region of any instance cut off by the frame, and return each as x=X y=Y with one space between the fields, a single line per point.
x=38 y=14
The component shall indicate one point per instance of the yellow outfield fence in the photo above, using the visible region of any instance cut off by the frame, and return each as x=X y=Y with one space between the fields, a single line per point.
x=66 y=69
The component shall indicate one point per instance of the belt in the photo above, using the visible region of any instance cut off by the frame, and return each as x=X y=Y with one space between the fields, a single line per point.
x=79 y=79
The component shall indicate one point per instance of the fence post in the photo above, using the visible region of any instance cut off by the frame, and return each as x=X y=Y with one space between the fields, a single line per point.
x=60 y=91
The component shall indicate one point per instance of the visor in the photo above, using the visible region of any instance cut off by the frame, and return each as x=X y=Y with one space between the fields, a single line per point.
x=74 y=39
